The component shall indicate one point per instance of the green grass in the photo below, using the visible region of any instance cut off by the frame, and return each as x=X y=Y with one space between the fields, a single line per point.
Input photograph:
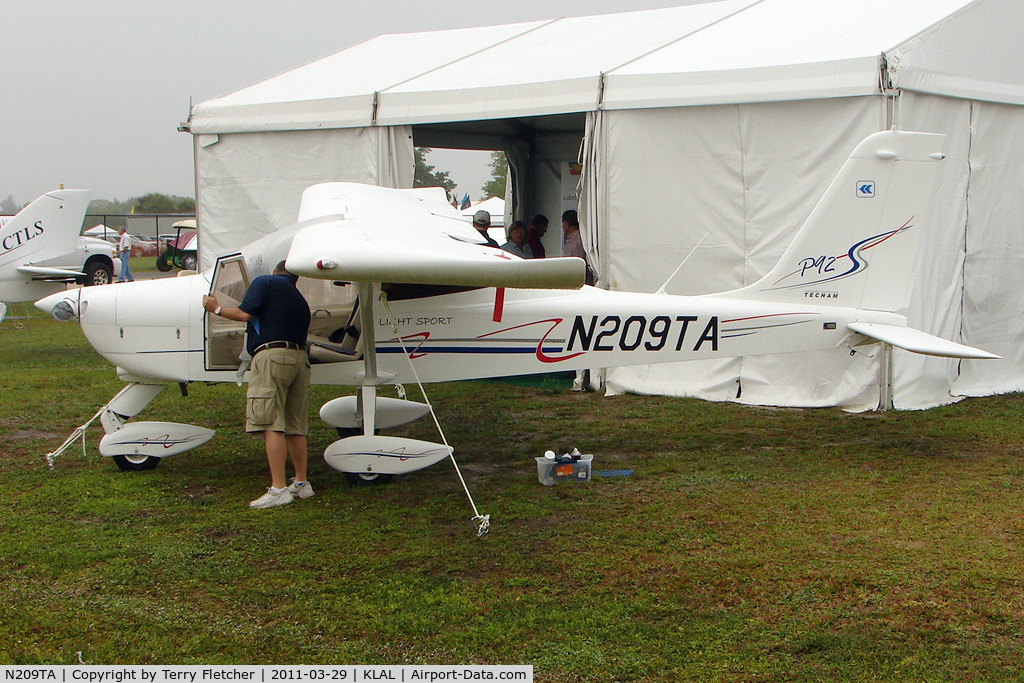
x=750 y=544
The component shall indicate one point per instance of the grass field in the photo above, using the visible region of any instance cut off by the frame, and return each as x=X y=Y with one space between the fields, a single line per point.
x=749 y=544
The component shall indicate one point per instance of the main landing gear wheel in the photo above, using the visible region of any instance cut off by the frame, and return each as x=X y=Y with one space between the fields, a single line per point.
x=368 y=478
x=363 y=478
x=135 y=463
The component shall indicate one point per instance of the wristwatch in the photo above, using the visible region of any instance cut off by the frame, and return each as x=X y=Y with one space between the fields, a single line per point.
x=216 y=311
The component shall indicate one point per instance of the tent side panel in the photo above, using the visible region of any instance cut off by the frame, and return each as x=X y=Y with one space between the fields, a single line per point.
x=993 y=309
x=792 y=151
x=748 y=175
x=670 y=176
x=250 y=184
x=935 y=304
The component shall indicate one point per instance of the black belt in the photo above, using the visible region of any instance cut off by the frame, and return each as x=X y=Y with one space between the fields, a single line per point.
x=279 y=345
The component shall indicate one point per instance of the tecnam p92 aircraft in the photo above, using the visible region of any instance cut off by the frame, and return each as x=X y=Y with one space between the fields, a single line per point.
x=401 y=289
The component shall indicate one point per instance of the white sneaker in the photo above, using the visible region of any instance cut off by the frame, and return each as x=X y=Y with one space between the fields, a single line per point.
x=301 y=489
x=273 y=500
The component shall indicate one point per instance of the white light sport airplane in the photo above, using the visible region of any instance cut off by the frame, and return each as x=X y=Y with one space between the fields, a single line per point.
x=401 y=290
x=37 y=244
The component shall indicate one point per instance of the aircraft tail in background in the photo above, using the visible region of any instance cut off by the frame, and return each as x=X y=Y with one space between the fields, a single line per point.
x=46 y=228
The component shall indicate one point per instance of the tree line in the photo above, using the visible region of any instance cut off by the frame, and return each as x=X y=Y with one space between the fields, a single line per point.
x=427 y=175
x=154 y=202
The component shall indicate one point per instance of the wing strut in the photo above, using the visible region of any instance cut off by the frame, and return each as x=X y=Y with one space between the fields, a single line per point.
x=369 y=379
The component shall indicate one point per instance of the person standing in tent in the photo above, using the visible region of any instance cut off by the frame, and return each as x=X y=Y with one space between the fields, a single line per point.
x=482 y=221
x=538 y=226
x=572 y=245
x=517 y=241
x=124 y=252
x=572 y=241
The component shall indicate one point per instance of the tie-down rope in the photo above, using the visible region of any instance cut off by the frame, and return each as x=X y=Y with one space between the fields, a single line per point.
x=80 y=432
x=482 y=522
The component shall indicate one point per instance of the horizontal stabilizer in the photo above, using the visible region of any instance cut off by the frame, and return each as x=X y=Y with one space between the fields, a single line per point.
x=917 y=341
x=157 y=439
x=41 y=272
x=383 y=454
x=344 y=412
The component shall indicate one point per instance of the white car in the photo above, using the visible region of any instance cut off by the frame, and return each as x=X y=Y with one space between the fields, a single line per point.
x=91 y=256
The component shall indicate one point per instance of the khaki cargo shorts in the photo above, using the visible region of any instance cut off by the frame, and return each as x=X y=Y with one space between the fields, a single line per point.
x=277 y=396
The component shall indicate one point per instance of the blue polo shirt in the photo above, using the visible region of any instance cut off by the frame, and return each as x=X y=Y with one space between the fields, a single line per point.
x=279 y=311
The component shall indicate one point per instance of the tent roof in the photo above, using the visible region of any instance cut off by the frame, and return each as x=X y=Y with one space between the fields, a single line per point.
x=714 y=53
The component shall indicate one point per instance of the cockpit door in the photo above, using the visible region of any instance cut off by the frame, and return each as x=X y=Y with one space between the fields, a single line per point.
x=225 y=339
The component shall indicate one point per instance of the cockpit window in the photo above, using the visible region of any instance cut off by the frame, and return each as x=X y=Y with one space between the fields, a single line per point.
x=402 y=292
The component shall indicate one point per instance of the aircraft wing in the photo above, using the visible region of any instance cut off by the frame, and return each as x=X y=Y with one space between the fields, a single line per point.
x=917 y=341
x=40 y=271
x=372 y=234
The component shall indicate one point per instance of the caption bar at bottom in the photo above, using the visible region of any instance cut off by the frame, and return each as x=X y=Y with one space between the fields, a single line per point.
x=427 y=673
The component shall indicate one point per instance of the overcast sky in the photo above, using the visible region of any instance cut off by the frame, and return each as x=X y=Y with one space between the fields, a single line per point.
x=94 y=89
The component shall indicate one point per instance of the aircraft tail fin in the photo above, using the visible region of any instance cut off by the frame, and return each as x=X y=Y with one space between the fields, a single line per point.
x=47 y=227
x=856 y=247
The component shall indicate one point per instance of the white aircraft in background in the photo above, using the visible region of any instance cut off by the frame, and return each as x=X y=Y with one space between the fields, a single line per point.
x=41 y=235
x=401 y=290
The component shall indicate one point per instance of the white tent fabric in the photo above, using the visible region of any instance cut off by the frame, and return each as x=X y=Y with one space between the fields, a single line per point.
x=967 y=272
x=749 y=178
x=981 y=272
x=251 y=184
x=776 y=49
x=338 y=91
x=719 y=52
x=553 y=68
x=100 y=230
x=970 y=55
x=729 y=118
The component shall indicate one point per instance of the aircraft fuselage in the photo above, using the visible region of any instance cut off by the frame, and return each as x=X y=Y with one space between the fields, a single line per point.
x=155 y=330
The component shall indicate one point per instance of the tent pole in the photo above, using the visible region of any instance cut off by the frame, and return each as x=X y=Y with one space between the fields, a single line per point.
x=885 y=378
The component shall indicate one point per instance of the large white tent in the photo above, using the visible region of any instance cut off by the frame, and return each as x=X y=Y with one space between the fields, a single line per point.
x=727 y=118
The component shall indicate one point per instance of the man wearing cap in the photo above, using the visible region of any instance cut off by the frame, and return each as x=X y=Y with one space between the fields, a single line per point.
x=482 y=221
x=277 y=322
